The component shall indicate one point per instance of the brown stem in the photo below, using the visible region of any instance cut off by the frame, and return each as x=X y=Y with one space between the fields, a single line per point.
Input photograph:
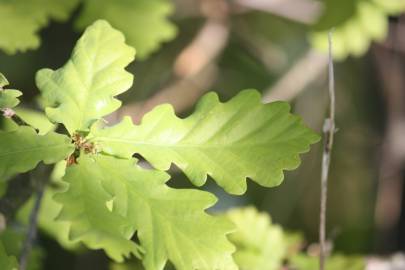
x=329 y=131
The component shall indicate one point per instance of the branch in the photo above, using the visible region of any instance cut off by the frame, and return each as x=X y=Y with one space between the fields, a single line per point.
x=329 y=130
x=306 y=70
x=11 y=114
x=390 y=67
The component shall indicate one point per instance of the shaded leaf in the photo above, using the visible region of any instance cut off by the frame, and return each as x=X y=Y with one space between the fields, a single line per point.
x=36 y=119
x=22 y=19
x=13 y=240
x=8 y=97
x=144 y=22
x=7 y=262
x=356 y=25
x=335 y=262
x=48 y=212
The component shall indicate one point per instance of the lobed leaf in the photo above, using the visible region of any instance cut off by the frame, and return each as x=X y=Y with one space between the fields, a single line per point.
x=83 y=90
x=260 y=244
x=228 y=141
x=8 y=97
x=334 y=262
x=22 y=19
x=3 y=80
x=36 y=119
x=357 y=24
x=114 y=197
x=13 y=240
x=143 y=22
x=21 y=149
x=47 y=214
x=7 y=262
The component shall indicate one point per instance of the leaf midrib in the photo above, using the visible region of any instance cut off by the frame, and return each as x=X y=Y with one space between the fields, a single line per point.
x=31 y=149
x=235 y=144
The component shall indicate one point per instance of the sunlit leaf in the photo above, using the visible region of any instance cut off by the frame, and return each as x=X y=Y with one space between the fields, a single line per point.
x=260 y=245
x=21 y=149
x=228 y=141
x=114 y=197
x=83 y=90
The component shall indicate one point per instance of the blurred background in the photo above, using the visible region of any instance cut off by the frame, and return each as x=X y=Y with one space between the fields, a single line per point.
x=277 y=47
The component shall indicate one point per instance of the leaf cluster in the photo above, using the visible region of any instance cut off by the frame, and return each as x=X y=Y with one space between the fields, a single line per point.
x=112 y=203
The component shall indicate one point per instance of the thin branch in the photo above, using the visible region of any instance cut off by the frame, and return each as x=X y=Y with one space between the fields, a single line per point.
x=39 y=178
x=303 y=11
x=19 y=190
x=329 y=131
x=32 y=231
x=11 y=114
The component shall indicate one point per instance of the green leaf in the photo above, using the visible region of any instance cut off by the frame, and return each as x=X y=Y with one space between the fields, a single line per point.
x=8 y=97
x=260 y=245
x=7 y=262
x=36 y=119
x=22 y=19
x=127 y=266
x=13 y=240
x=143 y=22
x=170 y=224
x=228 y=141
x=394 y=7
x=356 y=25
x=83 y=90
x=48 y=212
x=335 y=262
x=3 y=81
x=22 y=148
x=91 y=221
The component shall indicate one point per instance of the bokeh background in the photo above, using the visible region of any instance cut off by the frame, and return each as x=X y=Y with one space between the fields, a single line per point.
x=277 y=47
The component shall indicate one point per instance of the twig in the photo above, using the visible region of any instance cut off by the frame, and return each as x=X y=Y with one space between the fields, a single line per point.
x=11 y=114
x=329 y=131
x=303 y=11
x=32 y=225
x=19 y=190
